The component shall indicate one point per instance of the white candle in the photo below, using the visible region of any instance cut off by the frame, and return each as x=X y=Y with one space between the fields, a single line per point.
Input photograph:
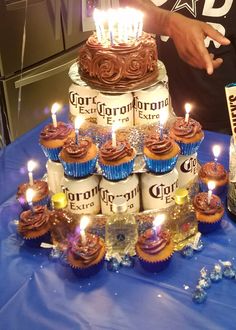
x=30 y=167
x=113 y=134
x=216 y=152
x=83 y=225
x=78 y=122
x=54 y=109
x=211 y=185
x=158 y=221
x=187 y=111
x=163 y=118
x=97 y=20
x=29 y=195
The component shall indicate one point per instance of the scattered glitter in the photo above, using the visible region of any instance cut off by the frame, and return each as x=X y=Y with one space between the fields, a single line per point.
x=55 y=291
x=229 y=240
x=30 y=278
x=80 y=286
x=89 y=284
x=115 y=293
x=195 y=258
x=159 y=296
x=186 y=287
x=41 y=266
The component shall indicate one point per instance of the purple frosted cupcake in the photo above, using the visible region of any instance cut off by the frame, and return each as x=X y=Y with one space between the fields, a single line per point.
x=154 y=250
x=86 y=259
x=216 y=172
x=160 y=154
x=79 y=159
x=34 y=226
x=41 y=194
x=52 y=139
x=116 y=162
x=188 y=135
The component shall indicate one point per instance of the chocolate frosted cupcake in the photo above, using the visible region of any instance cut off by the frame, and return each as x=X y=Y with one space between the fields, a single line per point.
x=52 y=139
x=209 y=215
x=34 y=226
x=216 y=172
x=79 y=159
x=154 y=250
x=188 y=135
x=86 y=258
x=116 y=162
x=160 y=154
x=41 y=194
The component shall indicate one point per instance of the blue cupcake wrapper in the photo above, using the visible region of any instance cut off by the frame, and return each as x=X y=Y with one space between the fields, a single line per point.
x=217 y=191
x=36 y=242
x=160 y=166
x=154 y=267
x=189 y=148
x=51 y=153
x=117 y=172
x=79 y=169
x=44 y=201
x=206 y=228
x=89 y=271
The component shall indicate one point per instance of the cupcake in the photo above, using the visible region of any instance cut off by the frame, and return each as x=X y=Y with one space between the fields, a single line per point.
x=116 y=162
x=154 y=251
x=34 y=226
x=188 y=135
x=209 y=215
x=41 y=194
x=160 y=154
x=52 y=139
x=86 y=258
x=216 y=172
x=79 y=159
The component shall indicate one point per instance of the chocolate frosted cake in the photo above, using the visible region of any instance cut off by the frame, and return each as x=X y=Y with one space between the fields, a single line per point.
x=160 y=153
x=79 y=158
x=208 y=213
x=119 y=67
x=154 y=250
x=216 y=172
x=41 y=193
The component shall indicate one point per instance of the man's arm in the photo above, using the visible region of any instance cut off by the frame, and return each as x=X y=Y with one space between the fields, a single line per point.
x=188 y=34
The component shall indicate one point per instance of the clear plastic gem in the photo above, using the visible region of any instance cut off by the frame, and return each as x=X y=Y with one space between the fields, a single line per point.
x=187 y=251
x=199 y=295
x=113 y=265
x=127 y=261
x=216 y=273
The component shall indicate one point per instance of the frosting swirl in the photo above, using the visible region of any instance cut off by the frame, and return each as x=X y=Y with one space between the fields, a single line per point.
x=151 y=243
x=40 y=190
x=33 y=221
x=182 y=129
x=85 y=253
x=212 y=170
x=77 y=150
x=159 y=146
x=60 y=132
x=121 y=150
x=200 y=203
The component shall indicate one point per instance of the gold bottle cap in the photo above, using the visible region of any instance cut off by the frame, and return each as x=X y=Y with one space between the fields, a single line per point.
x=59 y=200
x=181 y=196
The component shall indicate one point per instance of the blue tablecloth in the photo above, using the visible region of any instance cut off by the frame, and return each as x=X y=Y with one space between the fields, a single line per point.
x=39 y=293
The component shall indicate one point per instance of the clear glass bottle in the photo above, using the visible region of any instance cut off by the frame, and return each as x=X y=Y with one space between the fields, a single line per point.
x=183 y=222
x=121 y=232
x=62 y=221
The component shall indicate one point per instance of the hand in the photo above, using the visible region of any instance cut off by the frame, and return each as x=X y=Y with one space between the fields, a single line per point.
x=188 y=36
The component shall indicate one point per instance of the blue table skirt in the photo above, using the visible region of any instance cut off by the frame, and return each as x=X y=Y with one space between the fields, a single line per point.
x=39 y=293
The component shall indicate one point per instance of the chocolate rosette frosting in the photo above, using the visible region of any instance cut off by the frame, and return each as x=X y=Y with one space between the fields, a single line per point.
x=85 y=253
x=60 y=132
x=33 y=221
x=121 y=150
x=40 y=189
x=152 y=243
x=159 y=146
x=184 y=129
x=77 y=150
x=214 y=171
x=200 y=203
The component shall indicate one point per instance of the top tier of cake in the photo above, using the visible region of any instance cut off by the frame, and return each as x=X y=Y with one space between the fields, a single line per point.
x=119 y=67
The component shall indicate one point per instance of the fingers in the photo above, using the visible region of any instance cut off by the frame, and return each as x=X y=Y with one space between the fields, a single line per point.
x=215 y=35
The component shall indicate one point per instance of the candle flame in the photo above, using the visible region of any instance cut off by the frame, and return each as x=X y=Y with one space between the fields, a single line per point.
x=187 y=107
x=163 y=117
x=84 y=223
x=29 y=195
x=216 y=150
x=211 y=185
x=78 y=122
x=159 y=219
x=55 y=107
x=31 y=165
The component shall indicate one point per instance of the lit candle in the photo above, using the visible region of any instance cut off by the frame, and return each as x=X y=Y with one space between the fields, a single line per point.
x=29 y=195
x=83 y=224
x=163 y=118
x=158 y=221
x=30 y=167
x=140 y=24
x=97 y=20
x=211 y=185
x=54 y=109
x=216 y=152
x=113 y=134
x=187 y=111
x=110 y=25
x=78 y=122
